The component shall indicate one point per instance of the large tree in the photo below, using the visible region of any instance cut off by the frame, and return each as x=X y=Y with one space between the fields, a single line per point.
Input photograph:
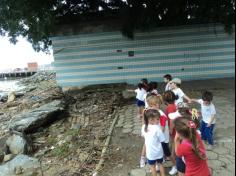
x=36 y=19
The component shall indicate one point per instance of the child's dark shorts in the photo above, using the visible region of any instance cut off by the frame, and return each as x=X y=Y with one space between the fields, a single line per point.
x=140 y=103
x=180 y=165
x=166 y=149
x=153 y=162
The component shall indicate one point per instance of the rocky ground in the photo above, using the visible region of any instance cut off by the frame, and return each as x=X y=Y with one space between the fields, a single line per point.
x=45 y=131
x=63 y=132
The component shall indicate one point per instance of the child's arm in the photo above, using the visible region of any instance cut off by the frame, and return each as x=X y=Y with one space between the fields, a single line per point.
x=188 y=99
x=171 y=126
x=195 y=100
x=177 y=142
x=213 y=116
x=130 y=90
x=163 y=123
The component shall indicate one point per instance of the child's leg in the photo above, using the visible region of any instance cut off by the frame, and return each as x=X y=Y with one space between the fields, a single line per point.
x=153 y=170
x=143 y=157
x=162 y=169
x=138 y=114
x=141 y=108
x=180 y=174
x=144 y=150
x=203 y=130
x=180 y=166
x=152 y=164
x=209 y=134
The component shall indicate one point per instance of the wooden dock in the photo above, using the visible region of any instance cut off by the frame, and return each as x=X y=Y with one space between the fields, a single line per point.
x=18 y=74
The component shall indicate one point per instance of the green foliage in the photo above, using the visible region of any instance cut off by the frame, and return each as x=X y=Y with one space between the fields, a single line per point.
x=36 y=20
x=61 y=151
x=72 y=132
x=52 y=140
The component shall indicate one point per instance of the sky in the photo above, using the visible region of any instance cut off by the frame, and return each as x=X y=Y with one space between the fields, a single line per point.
x=17 y=56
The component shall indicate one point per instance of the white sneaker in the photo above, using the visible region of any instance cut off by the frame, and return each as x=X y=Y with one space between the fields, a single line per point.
x=142 y=162
x=173 y=170
x=210 y=147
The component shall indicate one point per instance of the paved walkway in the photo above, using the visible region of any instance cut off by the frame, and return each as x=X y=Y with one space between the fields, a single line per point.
x=222 y=158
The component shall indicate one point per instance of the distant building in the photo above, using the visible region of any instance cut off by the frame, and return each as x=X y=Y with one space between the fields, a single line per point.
x=32 y=66
x=46 y=67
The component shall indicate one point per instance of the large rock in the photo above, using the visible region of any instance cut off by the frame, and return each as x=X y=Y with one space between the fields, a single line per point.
x=32 y=120
x=17 y=144
x=127 y=95
x=21 y=165
x=3 y=97
x=11 y=97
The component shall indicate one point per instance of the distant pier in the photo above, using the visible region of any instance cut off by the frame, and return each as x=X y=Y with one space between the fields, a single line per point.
x=18 y=74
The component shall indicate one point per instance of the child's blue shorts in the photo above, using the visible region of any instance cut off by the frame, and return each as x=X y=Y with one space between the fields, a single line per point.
x=140 y=103
x=166 y=149
x=180 y=165
x=153 y=162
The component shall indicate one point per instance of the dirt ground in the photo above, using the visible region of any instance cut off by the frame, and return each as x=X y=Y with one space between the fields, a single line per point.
x=123 y=154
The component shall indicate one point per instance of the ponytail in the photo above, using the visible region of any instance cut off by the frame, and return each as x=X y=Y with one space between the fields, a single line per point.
x=145 y=121
x=194 y=141
x=187 y=128
x=149 y=114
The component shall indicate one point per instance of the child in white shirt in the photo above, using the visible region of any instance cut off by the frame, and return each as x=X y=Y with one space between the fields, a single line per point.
x=208 y=117
x=140 y=92
x=154 y=138
x=175 y=87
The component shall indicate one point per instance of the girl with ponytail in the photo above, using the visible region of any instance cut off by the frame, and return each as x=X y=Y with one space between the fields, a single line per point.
x=154 y=137
x=188 y=144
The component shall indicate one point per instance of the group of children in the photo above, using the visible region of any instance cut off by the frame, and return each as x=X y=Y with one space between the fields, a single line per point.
x=177 y=134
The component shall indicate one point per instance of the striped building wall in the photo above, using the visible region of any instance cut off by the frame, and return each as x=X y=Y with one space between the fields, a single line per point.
x=187 y=52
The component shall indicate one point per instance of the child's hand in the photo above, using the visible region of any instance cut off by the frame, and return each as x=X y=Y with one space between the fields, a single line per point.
x=209 y=124
x=190 y=101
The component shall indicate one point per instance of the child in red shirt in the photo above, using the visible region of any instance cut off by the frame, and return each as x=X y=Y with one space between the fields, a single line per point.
x=169 y=99
x=188 y=144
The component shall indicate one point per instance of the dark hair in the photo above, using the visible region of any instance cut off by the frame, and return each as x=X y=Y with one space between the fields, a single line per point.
x=168 y=76
x=144 y=80
x=182 y=127
x=140 y=86
x=207 y=96
x=152 y=86
x=150 y=114
x=169 y=97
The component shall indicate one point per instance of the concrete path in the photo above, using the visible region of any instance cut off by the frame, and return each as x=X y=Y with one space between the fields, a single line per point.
x=222 y=157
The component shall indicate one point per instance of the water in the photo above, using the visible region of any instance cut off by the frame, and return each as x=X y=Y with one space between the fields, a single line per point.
x=7 y=86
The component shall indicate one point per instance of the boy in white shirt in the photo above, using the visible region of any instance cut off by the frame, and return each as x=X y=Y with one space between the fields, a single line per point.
x=175 y=87
x=167 y=79
x=208 y=117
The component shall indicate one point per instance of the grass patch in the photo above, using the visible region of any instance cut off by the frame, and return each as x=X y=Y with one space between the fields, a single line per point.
x=52 y=141
x=61 y=151
x=72 y=132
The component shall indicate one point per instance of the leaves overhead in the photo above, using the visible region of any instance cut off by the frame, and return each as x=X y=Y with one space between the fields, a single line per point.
x=36 y=20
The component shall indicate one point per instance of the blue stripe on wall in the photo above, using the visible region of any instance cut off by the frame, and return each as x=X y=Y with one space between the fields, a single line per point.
x=186 y=51
x=115 y=75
